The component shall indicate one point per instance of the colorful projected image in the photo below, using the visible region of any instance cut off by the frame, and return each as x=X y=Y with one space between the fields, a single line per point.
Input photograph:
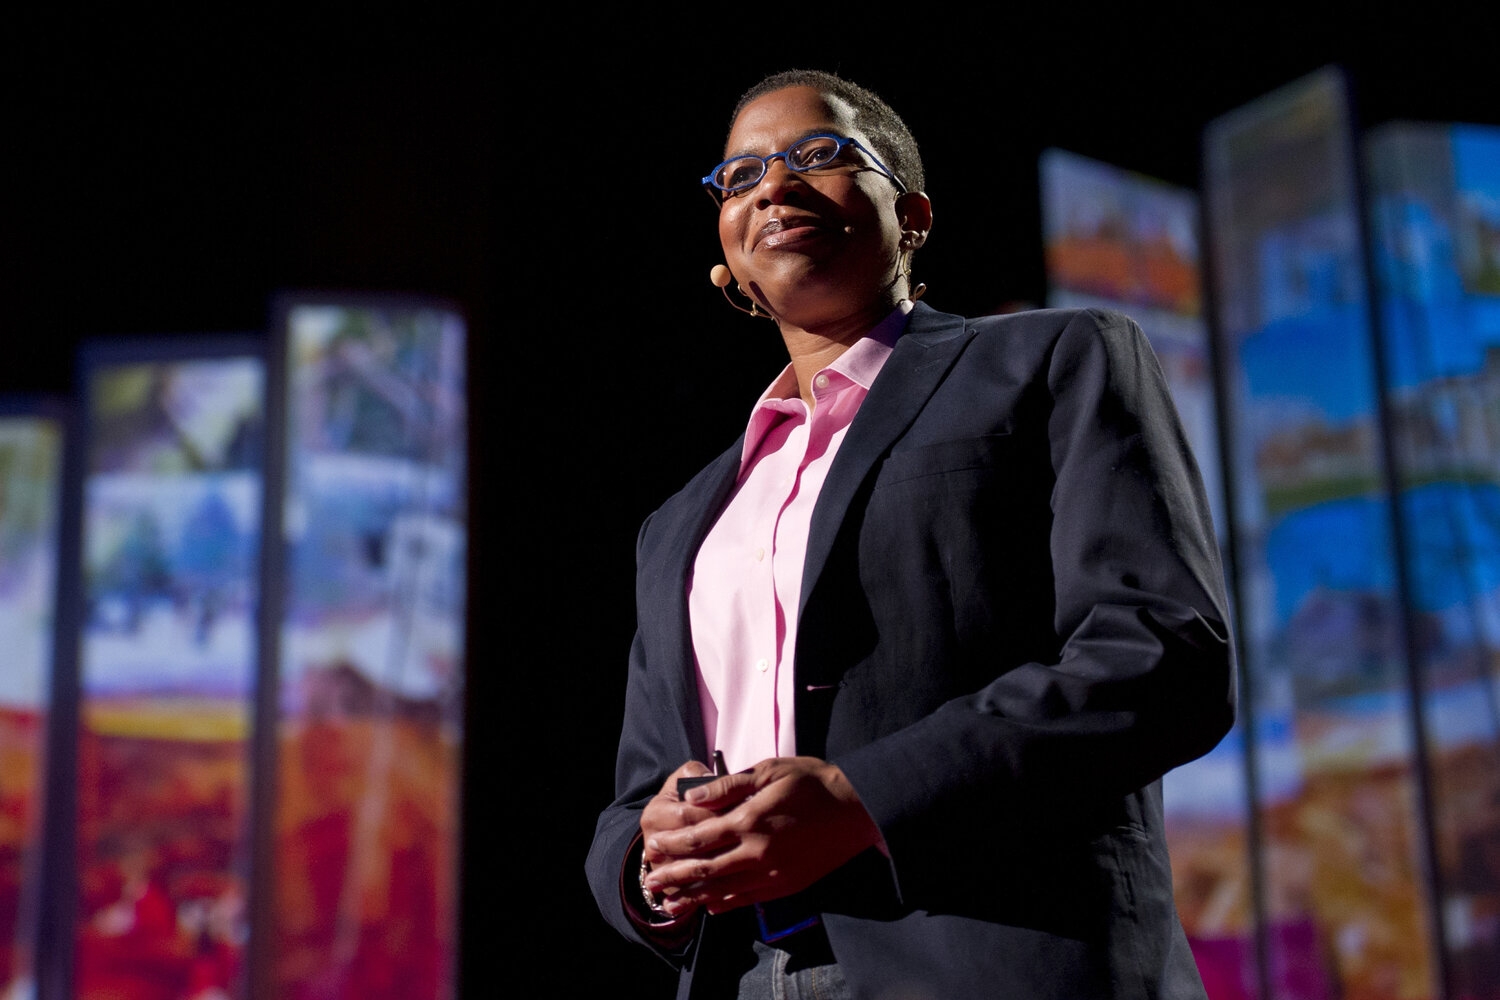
x=1346 y=904
x=171 y=540
x=1435 y=216
x=1477 y=182
x=1120 y=240
x=1121 y=237
x=30 y=473
x=370 y=739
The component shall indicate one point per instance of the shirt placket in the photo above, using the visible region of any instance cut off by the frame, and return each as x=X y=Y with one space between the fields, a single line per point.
x=784 y=587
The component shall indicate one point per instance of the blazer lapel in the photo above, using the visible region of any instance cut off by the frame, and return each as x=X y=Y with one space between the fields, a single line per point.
x=687 y=518
x=917 y=365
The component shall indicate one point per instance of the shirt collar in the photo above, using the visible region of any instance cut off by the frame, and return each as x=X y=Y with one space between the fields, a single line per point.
x=859 y=364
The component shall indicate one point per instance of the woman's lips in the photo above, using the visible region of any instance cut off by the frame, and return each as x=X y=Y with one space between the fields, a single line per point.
x=785 y=231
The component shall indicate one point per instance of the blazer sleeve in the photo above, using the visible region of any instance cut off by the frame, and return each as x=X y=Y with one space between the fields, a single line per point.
x=660 y=730
x=614 y=857
x=1132 y=671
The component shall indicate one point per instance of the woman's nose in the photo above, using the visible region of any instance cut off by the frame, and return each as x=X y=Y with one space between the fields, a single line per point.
x=778 y=183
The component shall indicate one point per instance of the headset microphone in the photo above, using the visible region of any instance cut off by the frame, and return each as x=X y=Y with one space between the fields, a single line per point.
x=721 y=277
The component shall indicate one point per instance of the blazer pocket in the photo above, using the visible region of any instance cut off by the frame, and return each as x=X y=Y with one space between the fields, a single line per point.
x=945 y=457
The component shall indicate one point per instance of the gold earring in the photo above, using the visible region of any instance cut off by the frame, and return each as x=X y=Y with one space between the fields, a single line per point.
x=903 y=268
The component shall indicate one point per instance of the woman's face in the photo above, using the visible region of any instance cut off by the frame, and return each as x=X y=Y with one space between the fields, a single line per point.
x=813 y=247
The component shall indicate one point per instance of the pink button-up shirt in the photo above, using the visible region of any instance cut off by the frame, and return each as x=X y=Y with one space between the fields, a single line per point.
x=747 y=580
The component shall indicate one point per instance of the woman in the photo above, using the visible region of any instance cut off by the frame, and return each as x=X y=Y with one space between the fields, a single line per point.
x=949 y=610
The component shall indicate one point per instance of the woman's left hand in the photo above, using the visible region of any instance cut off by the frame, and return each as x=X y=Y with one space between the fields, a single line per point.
x=777 y=828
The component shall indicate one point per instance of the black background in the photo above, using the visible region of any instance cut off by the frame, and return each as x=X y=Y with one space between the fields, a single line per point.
x=168 y=175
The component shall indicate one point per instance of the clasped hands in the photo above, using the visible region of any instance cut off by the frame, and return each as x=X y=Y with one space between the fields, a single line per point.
x=752 y=836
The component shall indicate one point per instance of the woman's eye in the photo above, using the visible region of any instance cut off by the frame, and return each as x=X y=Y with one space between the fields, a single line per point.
x=741 y=173
x=816 y=155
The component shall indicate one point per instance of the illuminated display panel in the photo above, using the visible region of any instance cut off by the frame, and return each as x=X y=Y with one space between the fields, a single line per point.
x=31 y=457
x=171 y=508
x=368 y=746
x=1435 y=219
x=1337 y=787
x=1119 y=240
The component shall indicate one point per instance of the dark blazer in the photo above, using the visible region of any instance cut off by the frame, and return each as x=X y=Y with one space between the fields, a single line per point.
x=1013 y=623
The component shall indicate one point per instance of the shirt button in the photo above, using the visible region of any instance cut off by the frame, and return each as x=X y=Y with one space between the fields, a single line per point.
x=760 y=554
x=821 y=381
x=762 y=665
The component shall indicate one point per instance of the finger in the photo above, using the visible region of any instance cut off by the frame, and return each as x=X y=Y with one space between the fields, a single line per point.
x=679 y=906
x=730 y=891
x=722 y=793
x=663 y=844
x=692 y=769
x=669 y=814
x=734 y=869
x=679 y=878
x=713 y=832
x=664 y=811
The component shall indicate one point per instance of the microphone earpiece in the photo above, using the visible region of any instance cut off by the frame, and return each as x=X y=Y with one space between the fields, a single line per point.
x=721 y=277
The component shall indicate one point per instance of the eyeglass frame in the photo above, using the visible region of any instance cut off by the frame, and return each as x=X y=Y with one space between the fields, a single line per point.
x=711 y=184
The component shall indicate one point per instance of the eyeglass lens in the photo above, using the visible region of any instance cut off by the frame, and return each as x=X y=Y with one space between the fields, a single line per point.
x=809 y=154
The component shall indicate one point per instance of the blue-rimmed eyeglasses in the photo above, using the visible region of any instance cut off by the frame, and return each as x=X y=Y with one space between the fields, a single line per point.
x=816 y=152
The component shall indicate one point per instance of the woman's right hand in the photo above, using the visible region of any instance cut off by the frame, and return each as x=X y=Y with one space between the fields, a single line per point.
x=667 y=812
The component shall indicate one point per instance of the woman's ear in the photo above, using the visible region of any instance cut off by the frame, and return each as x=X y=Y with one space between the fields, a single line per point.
x=914 y=209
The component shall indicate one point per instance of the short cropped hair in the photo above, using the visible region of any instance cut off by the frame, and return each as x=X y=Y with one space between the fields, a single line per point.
x=884 y=128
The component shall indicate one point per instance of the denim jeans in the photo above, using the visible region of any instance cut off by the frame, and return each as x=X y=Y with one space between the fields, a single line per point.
x=784 y=975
